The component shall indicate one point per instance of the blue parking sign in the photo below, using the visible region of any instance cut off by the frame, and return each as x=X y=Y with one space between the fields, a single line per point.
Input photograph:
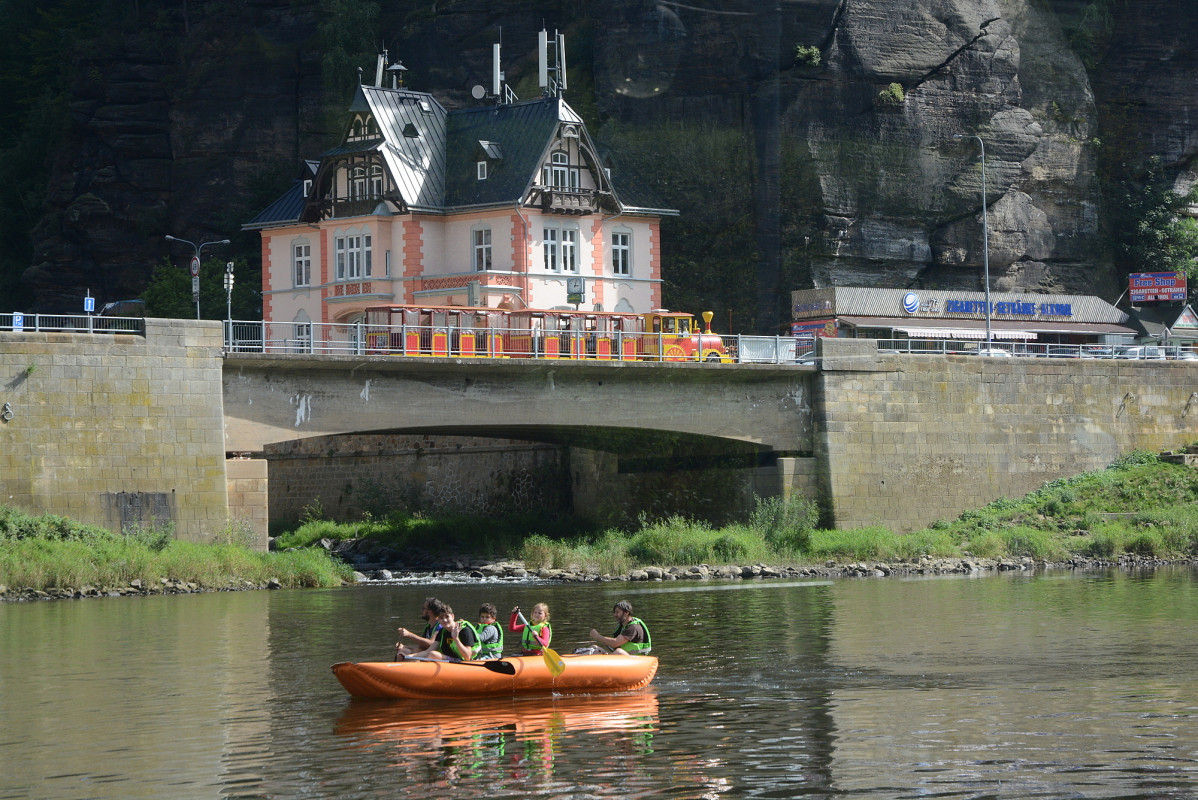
x=18 y=322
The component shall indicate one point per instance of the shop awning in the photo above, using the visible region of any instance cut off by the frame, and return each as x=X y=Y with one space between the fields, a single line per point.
x=963 y=333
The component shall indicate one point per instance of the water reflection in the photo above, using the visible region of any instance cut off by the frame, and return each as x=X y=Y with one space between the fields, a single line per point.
x=1012 y=686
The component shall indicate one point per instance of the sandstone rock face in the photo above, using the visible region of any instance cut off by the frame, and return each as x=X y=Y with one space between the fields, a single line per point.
x=168 y=142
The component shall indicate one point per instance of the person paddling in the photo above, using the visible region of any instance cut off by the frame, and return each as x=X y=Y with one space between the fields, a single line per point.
x=537 y=634
x=631 y=636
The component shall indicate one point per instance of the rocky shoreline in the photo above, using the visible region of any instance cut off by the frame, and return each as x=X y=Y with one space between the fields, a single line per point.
x=508 y=570
x=460 y=568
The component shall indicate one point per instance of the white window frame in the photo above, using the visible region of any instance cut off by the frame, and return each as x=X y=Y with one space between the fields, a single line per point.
x=561 y=246
x=480 y=240
x=301 y=263
x=357 y=183
x=549 y=245
x=621 y=253
x=558 y=173
x=376 y=181
x=353 y=257
x=481 y=170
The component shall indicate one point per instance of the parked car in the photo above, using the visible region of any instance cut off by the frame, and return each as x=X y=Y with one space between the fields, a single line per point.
x=1088 y=351
x=1187 y=355
x=1140 y=352
x=1062 y=351
x=998 y=352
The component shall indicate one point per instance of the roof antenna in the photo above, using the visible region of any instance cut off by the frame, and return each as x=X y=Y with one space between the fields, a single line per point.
x=378 y=68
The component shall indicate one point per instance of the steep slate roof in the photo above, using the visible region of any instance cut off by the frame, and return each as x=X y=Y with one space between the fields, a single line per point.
x=287 y=208
x=432 y=153
x=416 y=162
x=522 y=131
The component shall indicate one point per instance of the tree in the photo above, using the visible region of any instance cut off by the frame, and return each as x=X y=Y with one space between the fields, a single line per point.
x=1151 y=231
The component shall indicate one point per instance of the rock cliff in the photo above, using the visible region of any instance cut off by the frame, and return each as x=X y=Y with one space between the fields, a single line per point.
x=840 y=165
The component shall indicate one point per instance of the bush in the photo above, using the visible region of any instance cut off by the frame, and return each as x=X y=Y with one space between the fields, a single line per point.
x=1135 y=458
x=808 y=55
x=891 y=96
x=785 y=525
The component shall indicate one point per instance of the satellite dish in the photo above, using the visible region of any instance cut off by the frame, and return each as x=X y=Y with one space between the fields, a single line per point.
x=478 y=91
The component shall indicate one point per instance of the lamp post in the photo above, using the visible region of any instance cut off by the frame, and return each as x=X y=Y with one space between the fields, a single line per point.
x=985 y=232
x=195 y=266
x=229 y=299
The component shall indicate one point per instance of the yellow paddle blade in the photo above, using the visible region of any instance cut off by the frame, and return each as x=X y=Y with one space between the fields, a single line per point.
x=553 y=662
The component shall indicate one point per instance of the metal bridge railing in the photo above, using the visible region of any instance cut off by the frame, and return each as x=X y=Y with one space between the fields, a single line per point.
x=315 y=338
x=17 y=322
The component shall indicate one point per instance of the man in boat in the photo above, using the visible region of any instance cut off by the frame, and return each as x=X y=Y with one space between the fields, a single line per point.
x=631 y=636
x=490 y=633
x=455 y=641
x=429 y=612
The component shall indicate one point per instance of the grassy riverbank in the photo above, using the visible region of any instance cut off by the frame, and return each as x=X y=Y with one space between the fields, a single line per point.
x=1139 y=505
x=50 y=552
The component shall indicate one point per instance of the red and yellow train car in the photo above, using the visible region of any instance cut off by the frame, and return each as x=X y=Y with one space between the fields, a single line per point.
x=474 y=332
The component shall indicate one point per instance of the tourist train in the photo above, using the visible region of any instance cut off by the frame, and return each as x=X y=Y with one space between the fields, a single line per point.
x=658 y=335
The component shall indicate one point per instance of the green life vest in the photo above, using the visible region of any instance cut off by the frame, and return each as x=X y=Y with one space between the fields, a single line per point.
x=488 y=649
x=640 y=648
x=528 y=637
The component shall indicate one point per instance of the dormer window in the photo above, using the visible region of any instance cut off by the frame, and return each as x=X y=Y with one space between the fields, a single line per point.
x=410 y=131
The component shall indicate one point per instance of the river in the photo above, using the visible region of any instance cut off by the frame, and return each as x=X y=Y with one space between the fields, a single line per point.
x=1053 y=685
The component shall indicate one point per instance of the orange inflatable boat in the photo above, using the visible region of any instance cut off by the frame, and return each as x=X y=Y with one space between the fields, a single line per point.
x=526 y=675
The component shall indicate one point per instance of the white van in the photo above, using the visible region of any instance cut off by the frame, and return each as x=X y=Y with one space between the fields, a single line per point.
x=1153 y=352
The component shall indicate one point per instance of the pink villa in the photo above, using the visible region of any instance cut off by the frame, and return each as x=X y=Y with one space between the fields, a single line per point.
x=503 y=205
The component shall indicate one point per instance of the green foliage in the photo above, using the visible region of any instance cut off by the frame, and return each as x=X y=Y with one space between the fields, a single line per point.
x=1151 y=232
x=54 y=552
x=891 y=96
x=168 y=293
x=785 y=525
x=808 y=55
x=1136 y=458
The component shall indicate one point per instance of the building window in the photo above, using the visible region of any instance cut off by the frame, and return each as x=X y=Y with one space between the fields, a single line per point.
x=569 y=250
x=482 y=249
x=302 y=259
x=352 y=257
x=482 y=170
x=357 y=183
x=559 y=174
x=551 y=255
x=561 y=249
x=376 y=181
x=621 y=253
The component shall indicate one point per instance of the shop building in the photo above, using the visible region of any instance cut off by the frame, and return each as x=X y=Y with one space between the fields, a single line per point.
x=866 y=313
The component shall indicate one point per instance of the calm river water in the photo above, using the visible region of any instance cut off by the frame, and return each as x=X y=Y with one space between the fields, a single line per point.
x=1009 y=686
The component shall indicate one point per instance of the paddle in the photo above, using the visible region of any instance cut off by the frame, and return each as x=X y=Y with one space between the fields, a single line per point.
x=553 y=662
x=502 y=667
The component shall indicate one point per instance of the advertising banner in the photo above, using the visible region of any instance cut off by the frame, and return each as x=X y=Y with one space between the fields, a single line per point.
x=1148 y=287
x=809 y=329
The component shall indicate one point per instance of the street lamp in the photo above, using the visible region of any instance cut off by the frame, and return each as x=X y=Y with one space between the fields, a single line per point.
x=229 y=297
x=985 y=232
x=195 y=266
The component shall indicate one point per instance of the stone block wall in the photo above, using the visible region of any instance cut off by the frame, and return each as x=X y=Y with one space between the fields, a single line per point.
x=903 y=440
x=116 y=430
x=249 y=509
x=345 y=476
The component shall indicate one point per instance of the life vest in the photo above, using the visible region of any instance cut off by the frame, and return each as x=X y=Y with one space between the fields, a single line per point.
x=528 y=637
x=489 y=649
x=639 y=648
x=447 y=645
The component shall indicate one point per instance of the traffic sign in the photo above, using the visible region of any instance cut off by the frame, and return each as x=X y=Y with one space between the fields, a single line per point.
x=195 y=285
x=195 y=266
